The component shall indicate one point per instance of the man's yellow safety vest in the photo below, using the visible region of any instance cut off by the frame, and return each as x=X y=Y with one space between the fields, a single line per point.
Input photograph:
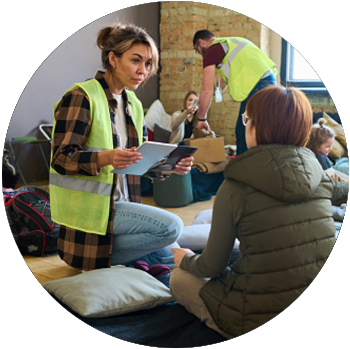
x=243 y=66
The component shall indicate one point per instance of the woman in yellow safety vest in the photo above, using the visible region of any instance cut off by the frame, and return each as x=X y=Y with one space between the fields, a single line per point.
x=98 y=125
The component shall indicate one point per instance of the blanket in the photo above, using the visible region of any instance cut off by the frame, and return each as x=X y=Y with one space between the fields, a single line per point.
x=212 y=167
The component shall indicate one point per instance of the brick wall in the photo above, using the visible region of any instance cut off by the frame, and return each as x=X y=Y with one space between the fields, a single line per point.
x=182 y=68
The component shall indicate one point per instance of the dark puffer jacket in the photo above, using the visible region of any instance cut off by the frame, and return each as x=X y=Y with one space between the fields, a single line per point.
x=276 y=200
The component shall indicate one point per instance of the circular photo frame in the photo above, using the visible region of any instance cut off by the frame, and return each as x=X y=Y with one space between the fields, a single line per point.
x=242 y=221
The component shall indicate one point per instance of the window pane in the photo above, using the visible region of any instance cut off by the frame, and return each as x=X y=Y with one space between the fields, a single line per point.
x=302 y=69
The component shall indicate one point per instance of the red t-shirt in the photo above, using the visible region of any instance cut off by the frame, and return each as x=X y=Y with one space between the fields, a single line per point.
x=213 y=55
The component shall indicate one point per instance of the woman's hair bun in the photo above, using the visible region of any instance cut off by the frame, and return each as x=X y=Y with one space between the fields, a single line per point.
x=321 y=122
x=103 y=36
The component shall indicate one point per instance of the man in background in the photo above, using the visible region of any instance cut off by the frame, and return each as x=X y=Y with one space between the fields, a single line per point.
x=242 y=66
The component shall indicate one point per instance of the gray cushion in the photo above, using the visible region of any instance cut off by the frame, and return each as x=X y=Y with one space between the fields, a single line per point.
x=111 y=291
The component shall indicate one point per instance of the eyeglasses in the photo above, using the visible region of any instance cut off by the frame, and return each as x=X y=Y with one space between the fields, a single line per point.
x=245 y=119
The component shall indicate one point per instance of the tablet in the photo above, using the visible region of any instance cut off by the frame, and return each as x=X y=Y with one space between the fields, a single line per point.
x=152 y=153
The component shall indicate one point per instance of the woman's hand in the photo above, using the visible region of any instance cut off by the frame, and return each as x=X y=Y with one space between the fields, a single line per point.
x=183 y=166
x=122 y=158
x=191 y=110
x=119 y=158
x=179 y=254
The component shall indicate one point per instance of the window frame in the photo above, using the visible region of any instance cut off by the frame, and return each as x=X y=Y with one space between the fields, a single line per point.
x=287 y=71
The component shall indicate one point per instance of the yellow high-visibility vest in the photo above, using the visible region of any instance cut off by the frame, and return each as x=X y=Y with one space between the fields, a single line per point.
x=243 y=66
x=83 y=202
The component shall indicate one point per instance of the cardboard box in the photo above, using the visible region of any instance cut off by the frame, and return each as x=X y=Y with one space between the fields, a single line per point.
x=209 y=149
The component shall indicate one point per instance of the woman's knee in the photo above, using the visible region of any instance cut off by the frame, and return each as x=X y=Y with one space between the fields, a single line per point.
x=174 y=226
x=175 y=278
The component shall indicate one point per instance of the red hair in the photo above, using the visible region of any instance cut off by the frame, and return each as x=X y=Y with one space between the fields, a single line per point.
x=280 y=115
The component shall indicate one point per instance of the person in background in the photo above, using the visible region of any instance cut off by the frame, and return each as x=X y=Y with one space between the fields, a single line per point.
x=277 y=201
x=98 y=124
x=242 y=66
x=321 y=142
x=183 y=121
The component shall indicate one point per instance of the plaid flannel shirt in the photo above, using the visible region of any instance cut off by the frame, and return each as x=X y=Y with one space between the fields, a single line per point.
x=73 y=124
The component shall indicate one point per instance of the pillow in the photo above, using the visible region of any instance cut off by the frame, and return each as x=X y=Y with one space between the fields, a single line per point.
x=110 y=291
x=195 y=237
x=203 y=217
x=342 y=165
x=160 y=134
x=156 y=114
x=340 y=147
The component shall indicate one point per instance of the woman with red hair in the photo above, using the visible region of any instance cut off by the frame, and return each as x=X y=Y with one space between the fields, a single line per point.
x=277 y=201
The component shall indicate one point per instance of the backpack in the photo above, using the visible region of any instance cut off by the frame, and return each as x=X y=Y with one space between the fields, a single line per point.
x=9 y=170
x=29 y=215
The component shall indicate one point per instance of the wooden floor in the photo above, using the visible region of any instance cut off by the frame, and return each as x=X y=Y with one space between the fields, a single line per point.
x=51 y=267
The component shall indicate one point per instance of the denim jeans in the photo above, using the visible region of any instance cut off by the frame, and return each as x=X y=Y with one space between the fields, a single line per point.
x=142 y=232
x=240 y=128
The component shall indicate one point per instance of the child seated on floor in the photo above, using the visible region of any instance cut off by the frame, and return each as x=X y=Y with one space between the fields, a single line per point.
x=321 y=142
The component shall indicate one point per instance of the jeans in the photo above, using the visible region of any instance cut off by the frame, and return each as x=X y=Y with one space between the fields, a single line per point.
x=240 y=128
x=142 y=232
